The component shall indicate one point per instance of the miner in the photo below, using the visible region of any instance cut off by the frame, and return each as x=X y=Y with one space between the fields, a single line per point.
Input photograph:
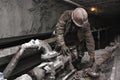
x=73 y=27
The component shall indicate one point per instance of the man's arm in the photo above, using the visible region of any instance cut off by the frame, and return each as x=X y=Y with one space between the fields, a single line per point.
x=60 y=27
x=90 y=44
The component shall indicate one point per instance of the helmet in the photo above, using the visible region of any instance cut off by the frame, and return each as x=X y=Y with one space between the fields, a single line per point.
x=79 y=16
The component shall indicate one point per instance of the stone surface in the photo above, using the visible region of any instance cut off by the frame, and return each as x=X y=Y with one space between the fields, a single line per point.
x=24 y=17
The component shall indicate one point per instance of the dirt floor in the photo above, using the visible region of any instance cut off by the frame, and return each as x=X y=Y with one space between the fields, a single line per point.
x=109 y=70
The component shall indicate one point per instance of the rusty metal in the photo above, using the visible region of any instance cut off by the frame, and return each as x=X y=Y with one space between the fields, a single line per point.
x=10 y=67
x=50 y=68
x=7 y=53
x=33 y=44
x=55 y=62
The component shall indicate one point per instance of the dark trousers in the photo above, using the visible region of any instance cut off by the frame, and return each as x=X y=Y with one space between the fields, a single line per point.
x=80 y=49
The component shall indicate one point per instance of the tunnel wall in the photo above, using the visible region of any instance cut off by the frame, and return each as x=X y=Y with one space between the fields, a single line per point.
x=24 y=17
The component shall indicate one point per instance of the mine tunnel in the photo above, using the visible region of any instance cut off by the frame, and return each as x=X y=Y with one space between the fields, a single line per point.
x=27 y=32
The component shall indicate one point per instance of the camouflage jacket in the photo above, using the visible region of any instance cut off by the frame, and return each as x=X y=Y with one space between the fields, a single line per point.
x=63 y=27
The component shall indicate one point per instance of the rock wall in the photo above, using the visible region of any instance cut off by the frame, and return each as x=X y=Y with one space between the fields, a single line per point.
x=24 y=17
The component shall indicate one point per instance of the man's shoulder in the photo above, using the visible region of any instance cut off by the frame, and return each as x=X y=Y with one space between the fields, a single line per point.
x=66 y=15
x=68 y=12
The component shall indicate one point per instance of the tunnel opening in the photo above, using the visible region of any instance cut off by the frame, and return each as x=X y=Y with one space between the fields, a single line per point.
x=105 y=29
x=36 y=19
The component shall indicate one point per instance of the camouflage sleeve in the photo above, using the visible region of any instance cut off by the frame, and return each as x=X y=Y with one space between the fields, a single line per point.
x=60 y=27
x=90 y=44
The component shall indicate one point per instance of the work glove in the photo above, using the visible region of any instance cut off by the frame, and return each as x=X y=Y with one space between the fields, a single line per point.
x=92 y=59
x=65 y=50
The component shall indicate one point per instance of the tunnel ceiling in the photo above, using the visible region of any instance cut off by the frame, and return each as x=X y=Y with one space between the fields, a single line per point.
x=104 y=7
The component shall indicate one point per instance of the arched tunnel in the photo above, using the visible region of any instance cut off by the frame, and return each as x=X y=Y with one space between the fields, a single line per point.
x=27 y=36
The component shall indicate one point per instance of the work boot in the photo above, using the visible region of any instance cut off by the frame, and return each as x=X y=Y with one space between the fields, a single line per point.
x=92 y=73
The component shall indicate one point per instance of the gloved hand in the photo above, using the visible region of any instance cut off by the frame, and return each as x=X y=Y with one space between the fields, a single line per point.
x=65 y=50
x=92 y=59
